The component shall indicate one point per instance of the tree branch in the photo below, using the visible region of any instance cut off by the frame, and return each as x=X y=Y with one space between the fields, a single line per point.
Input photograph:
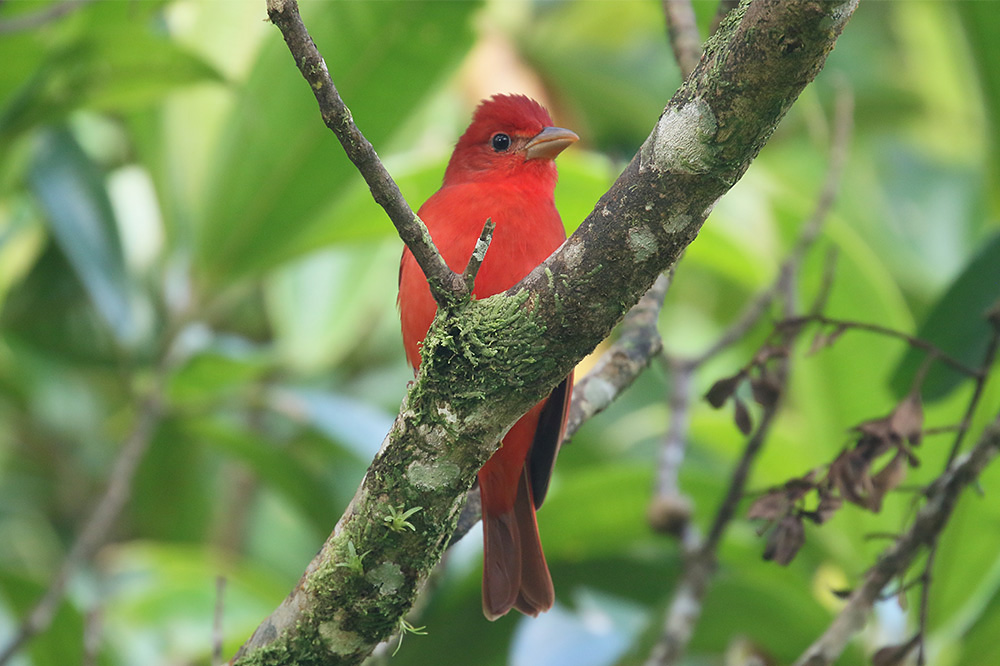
x=623 y=361
x=485 y=362
x=39 y=18
x=444 y=283
x=682 y=29
x=942 y=496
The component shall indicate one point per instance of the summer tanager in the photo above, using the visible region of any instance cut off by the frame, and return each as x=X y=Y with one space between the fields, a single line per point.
x=502 y=169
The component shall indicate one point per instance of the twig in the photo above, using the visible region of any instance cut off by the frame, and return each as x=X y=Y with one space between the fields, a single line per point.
x=95 y=531
x=445 y=284
x=980 y=383
x=683 y=32
x=889 y=333
x=478 y=254
x=741 y=473
x=41 y=17
x=963 y=429
x=931 y=520
x=218 y=635
x=92 y=630
x=686 y=604
x=669 y=509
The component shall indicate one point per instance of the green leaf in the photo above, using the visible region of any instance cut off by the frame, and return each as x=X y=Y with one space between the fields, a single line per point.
x=68 y=325
x=71 y=191
x=297 y=470
x=21 y=243
x=110 y=56
x=596 y=513
x=161 y=599
x=325 y=305
x=175 y=466
x=956 y=325
x=278 y=167
x=980 y=642
x=224 y=369
x=982 y=34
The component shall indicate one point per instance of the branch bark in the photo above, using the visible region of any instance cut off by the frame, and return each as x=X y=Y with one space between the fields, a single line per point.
x=485 y=362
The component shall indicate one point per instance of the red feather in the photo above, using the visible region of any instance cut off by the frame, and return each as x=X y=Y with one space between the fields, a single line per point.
x=510 y=181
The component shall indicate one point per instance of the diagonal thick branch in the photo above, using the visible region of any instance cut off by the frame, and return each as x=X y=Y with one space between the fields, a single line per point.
x=485 y=362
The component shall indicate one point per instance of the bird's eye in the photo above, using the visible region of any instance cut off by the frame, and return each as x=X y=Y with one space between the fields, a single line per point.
x=500 y=142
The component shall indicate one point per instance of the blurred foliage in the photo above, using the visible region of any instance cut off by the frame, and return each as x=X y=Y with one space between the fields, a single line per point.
x=173 y=212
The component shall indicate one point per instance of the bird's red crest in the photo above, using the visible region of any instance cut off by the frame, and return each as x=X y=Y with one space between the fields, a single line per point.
x=512 y=113
x=519 y=117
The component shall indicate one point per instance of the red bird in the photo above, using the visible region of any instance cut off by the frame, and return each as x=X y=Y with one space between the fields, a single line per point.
x=502 y=169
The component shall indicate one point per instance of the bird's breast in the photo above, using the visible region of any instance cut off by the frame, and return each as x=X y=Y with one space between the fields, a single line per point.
x=528 y=229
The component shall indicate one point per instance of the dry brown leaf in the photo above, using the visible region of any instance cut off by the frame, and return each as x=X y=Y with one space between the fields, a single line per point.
x=786 y=540
x=770 y=506
x=766 y=390
x=741 y=415
x=723 y=389
x=907 y=420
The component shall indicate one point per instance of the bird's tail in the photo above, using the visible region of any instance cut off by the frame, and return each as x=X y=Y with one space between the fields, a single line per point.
x=515 y=574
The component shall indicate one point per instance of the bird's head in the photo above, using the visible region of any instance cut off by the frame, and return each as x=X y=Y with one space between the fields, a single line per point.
x=510 y=136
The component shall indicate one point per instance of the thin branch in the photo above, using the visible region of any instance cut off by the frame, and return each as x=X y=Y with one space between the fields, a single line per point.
x=624 y=360
x=686 y=604
x=977 y=392
x=928 y=572
x=98 y=526
x=39 y=18
x=923 y=345
x=682 y=28
x=445 y=284
x=92 y=634
x=478 y=254
x=218 y=633
x=932 y=518
x=738 y=480
x=670 y=510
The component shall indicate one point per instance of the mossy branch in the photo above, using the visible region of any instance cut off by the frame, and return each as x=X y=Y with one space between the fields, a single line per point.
x=486 y=362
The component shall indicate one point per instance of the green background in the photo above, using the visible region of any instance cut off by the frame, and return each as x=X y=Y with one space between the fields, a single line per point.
x=172 y=208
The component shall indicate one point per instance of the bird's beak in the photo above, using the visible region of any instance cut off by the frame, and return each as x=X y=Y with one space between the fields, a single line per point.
x=549 y=142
